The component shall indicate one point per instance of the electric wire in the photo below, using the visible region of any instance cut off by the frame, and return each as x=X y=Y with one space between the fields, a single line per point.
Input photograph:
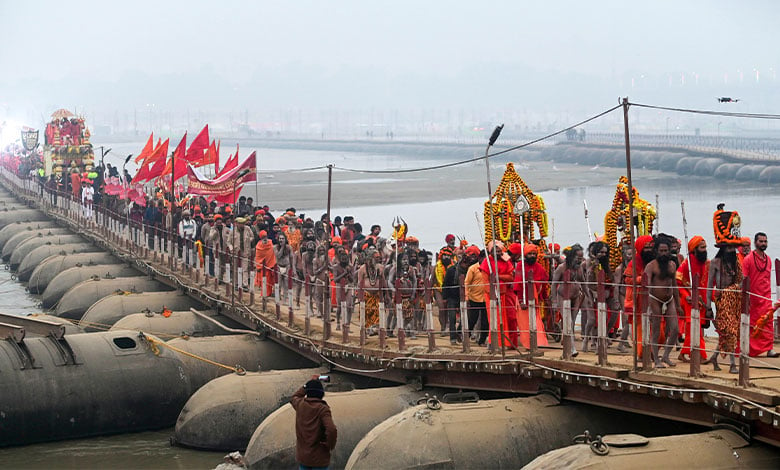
x=707 y=112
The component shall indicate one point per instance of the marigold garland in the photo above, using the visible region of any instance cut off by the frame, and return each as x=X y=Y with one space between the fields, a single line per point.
x=508 y=224
x=618 y=217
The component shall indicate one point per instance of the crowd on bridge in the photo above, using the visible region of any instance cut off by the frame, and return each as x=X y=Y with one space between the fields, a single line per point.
x=337 y=265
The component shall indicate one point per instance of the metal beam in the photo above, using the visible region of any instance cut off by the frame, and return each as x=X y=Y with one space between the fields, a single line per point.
x=31 y=325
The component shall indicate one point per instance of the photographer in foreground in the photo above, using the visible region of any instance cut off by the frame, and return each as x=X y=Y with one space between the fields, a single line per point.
x=314 y=429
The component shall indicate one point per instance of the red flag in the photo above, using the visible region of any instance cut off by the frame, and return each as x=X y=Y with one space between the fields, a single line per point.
x=201 y=143
x=208 y=157
x=179 y=152
x=230 y=164
x=148 y=148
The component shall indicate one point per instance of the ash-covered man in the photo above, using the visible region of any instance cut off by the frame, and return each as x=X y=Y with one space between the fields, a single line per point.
x=664 y=300
x=245 y=251
x=371 y=280
x=343 y=276
x=573 y=260
x=284 y=263
x=315 y=432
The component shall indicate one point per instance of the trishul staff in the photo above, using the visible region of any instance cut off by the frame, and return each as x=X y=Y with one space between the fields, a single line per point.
x=587 y=220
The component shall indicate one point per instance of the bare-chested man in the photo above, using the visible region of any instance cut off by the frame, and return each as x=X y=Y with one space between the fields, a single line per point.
x=598 y=261
x=664 y=300
x=322 y=280
x=344 y=280
x=304 y=267
x=573 y=259
x=371 y=280
x=403 y=280
x=284 y=263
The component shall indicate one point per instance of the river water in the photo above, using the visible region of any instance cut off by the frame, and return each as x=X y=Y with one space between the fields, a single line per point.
x=429 y=221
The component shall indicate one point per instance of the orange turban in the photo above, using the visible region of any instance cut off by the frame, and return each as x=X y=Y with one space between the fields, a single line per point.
x=529 y=248
x=640 y=243
x=745 y=241
x=694 y=242
x=473 y=250
x=515 y=248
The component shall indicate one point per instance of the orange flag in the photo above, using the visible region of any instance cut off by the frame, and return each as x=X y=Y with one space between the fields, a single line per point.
x=147 y=149
x=161 y=151
x=158 y=158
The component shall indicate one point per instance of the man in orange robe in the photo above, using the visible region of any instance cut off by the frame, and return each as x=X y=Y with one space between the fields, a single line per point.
x=506 y=311
x=643 y=248
x=699 y=265
x=757 y=267
x=265 y=258
x=535 y=275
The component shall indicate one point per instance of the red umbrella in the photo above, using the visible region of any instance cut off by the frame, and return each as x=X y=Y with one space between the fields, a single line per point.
x=61 y=113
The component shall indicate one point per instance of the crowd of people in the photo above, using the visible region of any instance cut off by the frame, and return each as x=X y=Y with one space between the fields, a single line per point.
x=338 y=265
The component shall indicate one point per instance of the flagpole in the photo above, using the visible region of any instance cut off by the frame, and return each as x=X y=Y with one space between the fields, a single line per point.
x=257 y=185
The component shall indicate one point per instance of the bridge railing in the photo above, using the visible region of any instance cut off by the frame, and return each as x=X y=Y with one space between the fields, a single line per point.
x=311 y=291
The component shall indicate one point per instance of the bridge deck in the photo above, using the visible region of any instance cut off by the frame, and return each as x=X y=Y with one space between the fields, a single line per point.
x=712 y=398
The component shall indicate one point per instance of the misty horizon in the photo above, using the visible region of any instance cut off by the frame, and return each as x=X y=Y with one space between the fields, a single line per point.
x=435 y=67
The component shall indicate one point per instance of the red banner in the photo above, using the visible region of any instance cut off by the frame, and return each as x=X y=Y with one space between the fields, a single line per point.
x=226 y=183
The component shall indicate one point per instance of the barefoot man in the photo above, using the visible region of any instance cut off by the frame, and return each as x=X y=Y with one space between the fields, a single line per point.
x=573 y=263
x=664 y=300
x=371 y=279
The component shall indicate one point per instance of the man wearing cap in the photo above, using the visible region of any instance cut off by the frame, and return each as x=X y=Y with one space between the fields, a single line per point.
x=219 y=239
x=315 y=432
x=186 y=230
x=475 y=283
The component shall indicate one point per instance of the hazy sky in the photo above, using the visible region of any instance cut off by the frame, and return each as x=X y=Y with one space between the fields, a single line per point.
x=377 y=51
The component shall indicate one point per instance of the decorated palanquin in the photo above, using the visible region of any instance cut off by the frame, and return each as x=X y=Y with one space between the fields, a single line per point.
x=518 y=214
x=66 y=144
x=617 y=220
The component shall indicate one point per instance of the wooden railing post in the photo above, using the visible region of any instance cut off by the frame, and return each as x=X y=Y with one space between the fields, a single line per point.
x=429 y=317
x=567 y=333
x=641 y=308
x=464 y=315
x=695 y=332
x=530 y=294
x=399 y=315
x=744 y=335
x=601 y=318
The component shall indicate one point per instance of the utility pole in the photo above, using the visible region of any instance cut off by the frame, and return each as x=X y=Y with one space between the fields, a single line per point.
x=631 y=226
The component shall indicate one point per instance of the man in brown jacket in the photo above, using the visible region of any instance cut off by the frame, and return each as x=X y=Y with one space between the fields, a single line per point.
x=314 y=429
